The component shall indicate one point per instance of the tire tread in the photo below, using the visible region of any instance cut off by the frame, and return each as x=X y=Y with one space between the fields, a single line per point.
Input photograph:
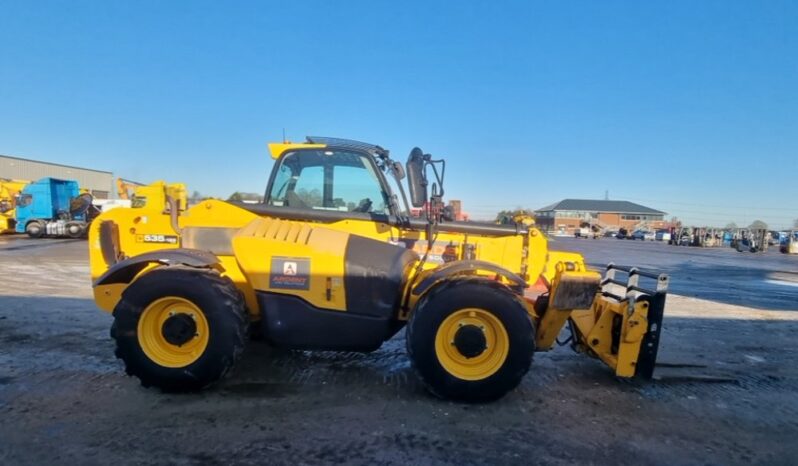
x=491 y=287
x=230 y=297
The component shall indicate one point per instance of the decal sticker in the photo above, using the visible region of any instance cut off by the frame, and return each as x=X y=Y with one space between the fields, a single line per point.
x=162 y=239
x=440 y=253
x=449 y=253
x=290 y=273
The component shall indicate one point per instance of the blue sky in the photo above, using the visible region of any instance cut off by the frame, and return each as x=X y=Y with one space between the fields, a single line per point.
x=688 y=107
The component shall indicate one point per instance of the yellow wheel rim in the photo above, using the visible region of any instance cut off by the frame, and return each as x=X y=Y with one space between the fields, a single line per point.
x=154 y=343
x=497 y=344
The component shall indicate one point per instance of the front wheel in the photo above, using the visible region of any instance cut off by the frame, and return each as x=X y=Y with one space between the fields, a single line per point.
x=470 y=340
x=180 y=329
x=35 y=229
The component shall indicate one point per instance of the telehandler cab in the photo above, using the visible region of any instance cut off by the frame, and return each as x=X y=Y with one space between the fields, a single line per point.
x=330 y=260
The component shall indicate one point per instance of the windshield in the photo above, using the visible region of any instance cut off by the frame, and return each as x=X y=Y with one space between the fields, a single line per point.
x=335 y=180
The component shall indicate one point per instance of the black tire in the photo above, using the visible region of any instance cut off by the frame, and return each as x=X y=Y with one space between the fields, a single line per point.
x=35 y=229
x=75 y=229
x=222 y=306
x=448 y=298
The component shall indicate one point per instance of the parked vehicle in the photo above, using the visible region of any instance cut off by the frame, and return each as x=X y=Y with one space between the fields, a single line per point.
x=9 y=190
x=187 y=287
x=643 y=235
x=662 y=235
x=789 y=243
x=588 y=232
x=774 y=238
x=53 y=207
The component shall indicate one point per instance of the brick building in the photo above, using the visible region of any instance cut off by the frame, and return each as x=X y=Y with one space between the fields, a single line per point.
x=568 y=215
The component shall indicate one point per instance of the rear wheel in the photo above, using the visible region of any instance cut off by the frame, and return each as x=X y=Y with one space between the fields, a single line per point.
x=35 y=229
x=470 y=340
x=74 y=229
x=180 y=329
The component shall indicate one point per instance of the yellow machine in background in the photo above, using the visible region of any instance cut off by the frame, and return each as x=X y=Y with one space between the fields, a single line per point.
x=155 y=193
x=9 y=189
x=159 y=194
x=125 y=188
x=331 y=261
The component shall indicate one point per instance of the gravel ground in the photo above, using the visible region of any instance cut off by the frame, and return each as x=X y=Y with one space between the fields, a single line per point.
x=64 y=399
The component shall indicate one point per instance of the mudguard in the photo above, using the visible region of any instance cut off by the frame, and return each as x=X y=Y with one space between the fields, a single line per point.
x=124 y=271
x=517 y=283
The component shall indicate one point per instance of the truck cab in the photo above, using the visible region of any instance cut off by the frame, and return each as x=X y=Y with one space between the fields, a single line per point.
x=52 y=206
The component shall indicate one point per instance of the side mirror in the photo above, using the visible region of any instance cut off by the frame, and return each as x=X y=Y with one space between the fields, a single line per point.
x=398 y=170
x=416 y=179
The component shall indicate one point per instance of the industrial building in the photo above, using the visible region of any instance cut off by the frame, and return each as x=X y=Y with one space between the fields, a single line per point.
x=568 y=215
x=99 y=183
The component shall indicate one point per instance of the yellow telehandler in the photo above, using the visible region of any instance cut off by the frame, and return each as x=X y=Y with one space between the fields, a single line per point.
x=331 y=261
x=9 y=189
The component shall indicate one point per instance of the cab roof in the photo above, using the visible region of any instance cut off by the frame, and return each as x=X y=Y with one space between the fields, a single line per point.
x=320 y=142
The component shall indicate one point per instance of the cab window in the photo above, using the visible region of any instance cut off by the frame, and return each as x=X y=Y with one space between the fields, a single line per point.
x=24 y=200
x=328 y=180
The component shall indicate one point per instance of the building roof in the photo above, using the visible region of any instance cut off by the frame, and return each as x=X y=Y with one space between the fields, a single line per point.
x=592 y=205
x=41 y=162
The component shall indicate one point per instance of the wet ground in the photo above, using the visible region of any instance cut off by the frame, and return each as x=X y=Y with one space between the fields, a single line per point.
x=64 y=399
x=762 y=280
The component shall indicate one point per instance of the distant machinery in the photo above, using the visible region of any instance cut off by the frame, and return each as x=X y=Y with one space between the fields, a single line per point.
x=125 y=188
x=789 y=244
x=53 y=207
x=9 y=189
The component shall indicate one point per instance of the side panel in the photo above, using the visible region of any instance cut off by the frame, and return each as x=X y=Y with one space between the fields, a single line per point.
x=375 y=275
x=140 y=231
x=328 y=269
x=318 y=288
x=290 y=322
x=63 y=191
x=293 y=258
x=146 y=229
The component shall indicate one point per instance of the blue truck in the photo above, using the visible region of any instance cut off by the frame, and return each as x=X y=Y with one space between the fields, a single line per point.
x=53 y=207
